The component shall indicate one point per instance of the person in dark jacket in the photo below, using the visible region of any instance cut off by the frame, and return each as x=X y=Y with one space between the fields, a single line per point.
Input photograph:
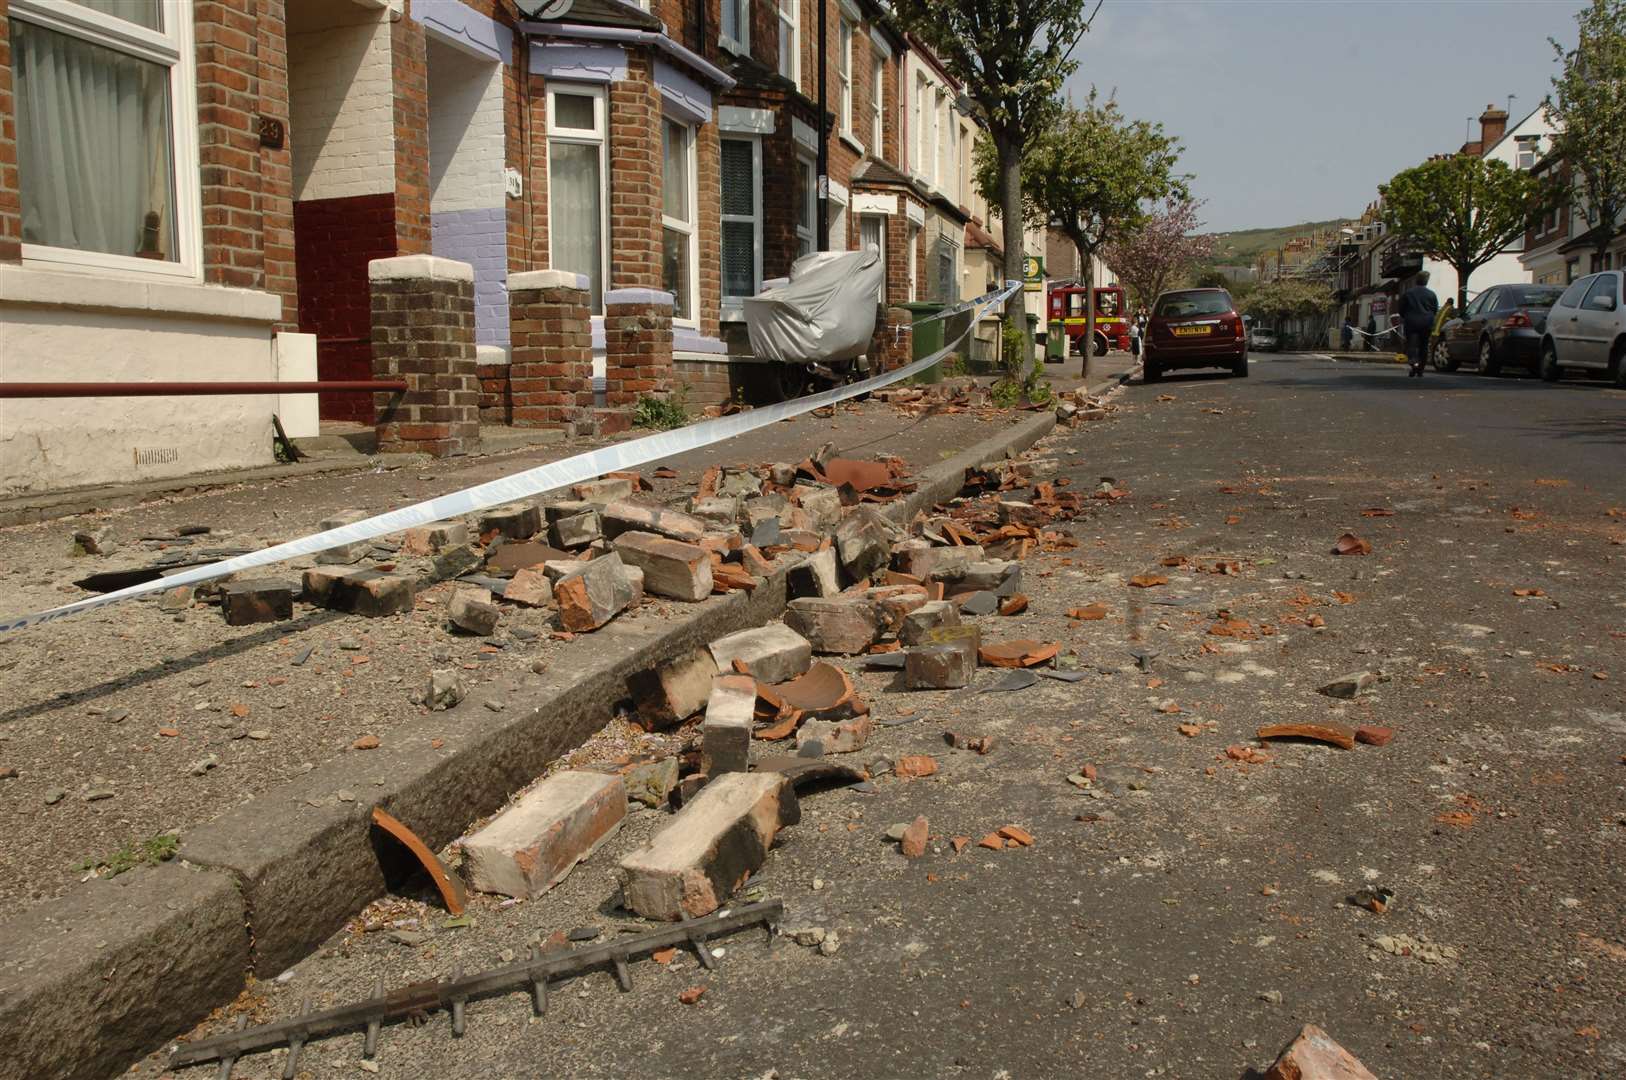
x=1418 y=307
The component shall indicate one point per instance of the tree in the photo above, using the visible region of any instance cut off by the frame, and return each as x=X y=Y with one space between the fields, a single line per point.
x=1286 y=298
x=1588 y=106
x=1165 y=246
x=1462 y=209
x=1010 y=56
x=1093 y=174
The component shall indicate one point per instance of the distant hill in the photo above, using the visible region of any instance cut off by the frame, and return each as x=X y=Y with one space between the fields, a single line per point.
x=1241 y=247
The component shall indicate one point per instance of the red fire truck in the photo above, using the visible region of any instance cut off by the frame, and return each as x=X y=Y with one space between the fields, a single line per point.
x=1111 y=315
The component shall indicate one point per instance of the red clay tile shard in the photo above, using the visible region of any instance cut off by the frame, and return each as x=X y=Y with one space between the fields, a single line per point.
x=664 y=473
x=692 y=995
x=1247 y=755
x=913 y=765
x=1017 y=834
x=451 y=891
x=366 y=742
x=1015 y=605
x=993 y=841
x=1350 y=544
x=959 y=843
x=1191 y=731
x=1147 y=581
x=1023 y=653
x=666 y=955
x=823 y=689
x=1089 y=613
x=1377 y=511
x=862 y=475
x=1528 y=592
x=1372 y=735
x=1336 y=734
x=1315 y=1056
x=913 y=844
x=1460 y=819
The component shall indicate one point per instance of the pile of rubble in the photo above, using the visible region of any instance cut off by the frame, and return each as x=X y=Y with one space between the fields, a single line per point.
x=901 y=597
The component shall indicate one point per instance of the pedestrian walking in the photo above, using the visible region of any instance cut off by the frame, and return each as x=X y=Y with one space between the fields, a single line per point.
x=1348 y=334
x=1134 y=337
x=1418 y=307
x=1371 y=333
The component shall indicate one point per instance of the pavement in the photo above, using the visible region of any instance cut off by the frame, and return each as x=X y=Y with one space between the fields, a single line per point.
x=1182 y=913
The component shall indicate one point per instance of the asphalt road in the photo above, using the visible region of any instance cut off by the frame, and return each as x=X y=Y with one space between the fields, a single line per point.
x=1188 y=912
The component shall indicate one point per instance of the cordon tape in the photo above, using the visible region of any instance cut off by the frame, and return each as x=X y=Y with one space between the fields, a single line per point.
x=531 y=482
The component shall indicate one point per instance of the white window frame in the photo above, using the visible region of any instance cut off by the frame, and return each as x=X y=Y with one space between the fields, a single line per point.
x=918 y=140
x=740 y=42
x=809 y=234
x=755 y=218
x=173 y=48
x=844 y=76
x=690 y=228
x=882 y=221
x=877 y=105
x=790 y=23
x=597 y=137
x=914 y=262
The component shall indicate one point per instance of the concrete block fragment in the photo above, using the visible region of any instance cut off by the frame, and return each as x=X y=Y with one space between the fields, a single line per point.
x=918 y=623
x=530 y=587
x=596 y=593
x=772 y=653
x=433 y=539
x=625 y=517
x=864 y=541
x=515 y=521
x=671 y=567
x=472 y=611
x=844 y=625
x=532 y=845
x=816 y=575
x=821 y=503
x=257 y=600
x=939 y=667
x=836 y=736
x=671 y=692
x=343 y=554
x=690 y=867
x=725 y=733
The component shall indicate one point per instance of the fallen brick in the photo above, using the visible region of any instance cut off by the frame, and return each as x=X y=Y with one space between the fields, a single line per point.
x=513 y=557
x=629 y=517
x=710 y=847
x=596 y=593
x=371 y=593
x=725 y=733
x=773 y=653
x=923 y=560
x=896 y=602
x=603 y=492
x=671 y=567
x=716 y=509
x=911 y=766
x=516 y=521
x=822 y=505
x=836 y=736
x=864 y=541
x=816 y=575
x=456 y=561
x=432 y=539
x=471 y=610
x=673 y=691
x=1313 y=1055
x=939 y=667
x=576 y=530
x=256 y=601
x=533 y=844
x=843 y=625
x=650 y=782
x=343 y=554
x=929 y=616
x=530 y=587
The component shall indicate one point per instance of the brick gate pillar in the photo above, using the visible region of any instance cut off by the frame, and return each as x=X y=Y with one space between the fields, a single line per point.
x=423 y=332
x=637 y=345
x=550 y=371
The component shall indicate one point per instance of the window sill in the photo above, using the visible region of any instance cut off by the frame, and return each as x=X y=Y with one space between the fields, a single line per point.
x=846 y=137
x=730 y=45
x=51 y=287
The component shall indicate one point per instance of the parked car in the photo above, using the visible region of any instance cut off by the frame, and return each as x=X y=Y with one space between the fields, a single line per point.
x=1586 y=328
x=1195 y=328
x=1263 y=338
x=1502 y=325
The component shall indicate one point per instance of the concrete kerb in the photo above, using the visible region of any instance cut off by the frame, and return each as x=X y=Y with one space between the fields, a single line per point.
x=268 y=882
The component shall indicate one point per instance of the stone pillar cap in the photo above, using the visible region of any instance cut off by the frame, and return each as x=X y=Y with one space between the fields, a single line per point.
x=638 y=296
x=546 y=279
x=419 y=268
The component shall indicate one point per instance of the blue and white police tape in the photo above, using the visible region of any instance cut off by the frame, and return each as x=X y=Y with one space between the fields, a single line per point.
x=532 y=482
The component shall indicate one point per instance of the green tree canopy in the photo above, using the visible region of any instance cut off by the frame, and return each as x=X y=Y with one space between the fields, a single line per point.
x=1285 y=298
x=1588 y=106
x=1463 y=209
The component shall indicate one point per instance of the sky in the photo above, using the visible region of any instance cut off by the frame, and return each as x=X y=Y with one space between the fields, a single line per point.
x=1295 y=110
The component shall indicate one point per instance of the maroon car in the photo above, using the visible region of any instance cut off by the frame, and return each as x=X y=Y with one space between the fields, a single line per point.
x=1195 y=328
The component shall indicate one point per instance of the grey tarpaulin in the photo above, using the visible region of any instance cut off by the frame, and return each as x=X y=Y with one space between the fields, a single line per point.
x=825 y=314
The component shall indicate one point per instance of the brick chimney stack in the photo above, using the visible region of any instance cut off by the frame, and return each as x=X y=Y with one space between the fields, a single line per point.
x=1492 y=126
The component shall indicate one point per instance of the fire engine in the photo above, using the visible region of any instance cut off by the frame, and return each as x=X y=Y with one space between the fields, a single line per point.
x=1111 y=315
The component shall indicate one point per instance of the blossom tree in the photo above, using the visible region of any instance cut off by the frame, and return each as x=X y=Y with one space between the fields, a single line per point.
x=1167 y=244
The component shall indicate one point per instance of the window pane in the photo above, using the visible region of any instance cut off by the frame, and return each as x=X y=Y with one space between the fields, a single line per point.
x=575 y=216
x=93 y=146
x=146 y=13
x=675 y=170
x=739 y=258
x=731 y=19
x=739 y=181
x=675 y=271
x=806 y=194
x=574 y=111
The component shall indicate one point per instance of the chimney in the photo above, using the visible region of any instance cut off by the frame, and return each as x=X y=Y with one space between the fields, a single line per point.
x=1492 y=126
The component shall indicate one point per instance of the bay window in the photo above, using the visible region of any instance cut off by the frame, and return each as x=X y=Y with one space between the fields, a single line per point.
x=577 y=198
x=106 y=134
x=678 y=217
x=872 y=231
x=742 y=218
x=790 y=41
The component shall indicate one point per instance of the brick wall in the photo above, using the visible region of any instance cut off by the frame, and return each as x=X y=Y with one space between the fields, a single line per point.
x=709 y=382
x=410 y=68
x=551 y=374
x=422 y=328
x=11 y=212
x=637 y=346
x=334 y=240
x=709 y=224
x=635 y=171
x=276 y=165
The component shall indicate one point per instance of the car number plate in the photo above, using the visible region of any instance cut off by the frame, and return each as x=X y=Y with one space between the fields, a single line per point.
x=1191 y=331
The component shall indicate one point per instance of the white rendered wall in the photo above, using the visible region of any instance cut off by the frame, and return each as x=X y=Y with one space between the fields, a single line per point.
x=465 y=131
x=341 y=101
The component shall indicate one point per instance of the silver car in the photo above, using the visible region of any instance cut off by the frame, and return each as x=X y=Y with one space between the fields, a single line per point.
x=1586 y=328
x=1263 y=339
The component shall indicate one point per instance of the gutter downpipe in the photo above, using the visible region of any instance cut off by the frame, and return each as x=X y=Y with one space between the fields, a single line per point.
x=822 y=241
